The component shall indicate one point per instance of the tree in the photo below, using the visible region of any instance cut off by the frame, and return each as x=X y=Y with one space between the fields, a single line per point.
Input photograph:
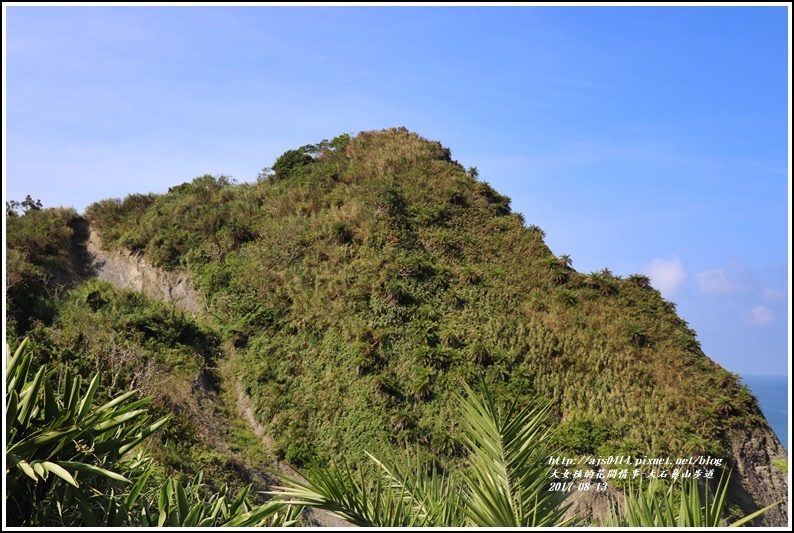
x=640 y=280
x=566 y=296
x=635 y=334
x=290 y=160
x=601 y=280
x=726 y=379
x=565 y=261
x=28 y=204
x=534 y=228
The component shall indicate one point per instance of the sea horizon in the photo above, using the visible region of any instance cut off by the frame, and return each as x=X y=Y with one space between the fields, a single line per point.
x=772 y=393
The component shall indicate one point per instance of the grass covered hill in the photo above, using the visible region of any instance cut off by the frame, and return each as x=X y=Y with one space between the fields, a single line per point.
x=360 y=281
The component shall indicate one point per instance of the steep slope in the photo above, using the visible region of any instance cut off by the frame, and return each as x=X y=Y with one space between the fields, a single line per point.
x=157 y=344
x=363 y=279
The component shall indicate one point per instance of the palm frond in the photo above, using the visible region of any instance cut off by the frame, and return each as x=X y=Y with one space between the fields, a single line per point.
x=432 y=496
x=508 y=478
x=349 y=496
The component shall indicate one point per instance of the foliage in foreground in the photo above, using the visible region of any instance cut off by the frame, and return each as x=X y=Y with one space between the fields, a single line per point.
x=70 y=461
x=70 y=464
x=681 y=505
x=59 y=443
x=504 y=484
x=178 y=506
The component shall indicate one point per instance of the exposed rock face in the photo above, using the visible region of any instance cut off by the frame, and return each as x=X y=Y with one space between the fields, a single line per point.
x=756 y=482
x=126 y=270
x=594 y=504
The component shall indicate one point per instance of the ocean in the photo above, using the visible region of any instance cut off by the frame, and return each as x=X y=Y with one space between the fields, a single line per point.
x=772 y=394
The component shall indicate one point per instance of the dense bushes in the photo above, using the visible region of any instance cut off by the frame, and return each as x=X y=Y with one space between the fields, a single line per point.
x=373 y=274
x=74 y=461
x=37 y=254
x=196 y=216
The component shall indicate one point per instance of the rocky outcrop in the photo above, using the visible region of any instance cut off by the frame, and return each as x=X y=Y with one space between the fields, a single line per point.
x=126 y=270
x=756 y=481
x=594 y=504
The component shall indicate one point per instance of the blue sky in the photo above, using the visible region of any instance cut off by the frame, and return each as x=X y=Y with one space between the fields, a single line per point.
x=642 y=139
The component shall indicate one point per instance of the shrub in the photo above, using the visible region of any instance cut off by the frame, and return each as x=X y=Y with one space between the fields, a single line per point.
x=289 y=161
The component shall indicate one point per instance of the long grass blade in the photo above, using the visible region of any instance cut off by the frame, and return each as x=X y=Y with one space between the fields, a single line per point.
x=93 y=470
x=28 y=398
x=60 y=472
x=85 y=403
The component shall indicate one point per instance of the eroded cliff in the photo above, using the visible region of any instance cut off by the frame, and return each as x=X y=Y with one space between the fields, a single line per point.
x=126 y=270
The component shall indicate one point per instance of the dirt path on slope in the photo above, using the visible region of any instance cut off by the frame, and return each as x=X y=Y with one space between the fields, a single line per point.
x=315 y=516
x=125 y=270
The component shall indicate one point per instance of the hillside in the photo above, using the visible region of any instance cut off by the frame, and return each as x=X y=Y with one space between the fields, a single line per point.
x=356 y=284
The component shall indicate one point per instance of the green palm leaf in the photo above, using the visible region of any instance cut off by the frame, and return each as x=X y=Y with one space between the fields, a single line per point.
x=508 y=477
x=431 y=497
x=351 y=497
x=504 y=486
x=59 y=471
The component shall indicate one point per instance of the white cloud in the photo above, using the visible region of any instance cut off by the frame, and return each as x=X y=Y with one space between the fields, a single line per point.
x=716 y=281
x=773 y=296
x=760 y=316
x=667 y=275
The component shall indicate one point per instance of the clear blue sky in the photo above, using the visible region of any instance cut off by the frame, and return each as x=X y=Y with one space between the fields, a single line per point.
x=642 y=139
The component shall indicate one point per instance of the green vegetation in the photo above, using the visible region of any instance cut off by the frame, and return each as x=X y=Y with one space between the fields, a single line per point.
x=680 y=505
x=37 y=250
x=504 y=484
x=781 y=464
x=350 y=291
x=138 y=344
x=361 y=278
x=57 y=431
x=72 y=462
x=85 y=472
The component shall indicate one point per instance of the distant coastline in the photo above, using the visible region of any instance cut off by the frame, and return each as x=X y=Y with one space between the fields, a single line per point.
x=772 y=393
